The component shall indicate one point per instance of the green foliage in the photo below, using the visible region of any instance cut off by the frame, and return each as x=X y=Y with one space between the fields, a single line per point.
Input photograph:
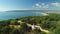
x=14 y=31
x=12 y=22
x=51 y=23
x=23 y=26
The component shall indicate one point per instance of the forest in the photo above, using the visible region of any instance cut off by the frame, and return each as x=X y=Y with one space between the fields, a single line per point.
x=51 y=22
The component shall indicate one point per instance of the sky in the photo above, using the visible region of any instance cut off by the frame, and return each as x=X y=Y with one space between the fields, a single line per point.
x=29 y=5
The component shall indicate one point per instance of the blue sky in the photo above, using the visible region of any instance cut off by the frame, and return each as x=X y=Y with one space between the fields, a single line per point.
x=29 y=5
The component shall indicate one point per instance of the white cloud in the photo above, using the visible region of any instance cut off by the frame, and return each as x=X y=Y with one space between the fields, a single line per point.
x=37 y=4
x=8 y=9
x=56 y=4
x=3 y=9
x=40 y=5
x=43 y=3
x=46 y=6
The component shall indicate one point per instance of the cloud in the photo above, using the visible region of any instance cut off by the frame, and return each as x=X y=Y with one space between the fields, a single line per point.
x=40 y=5
x=43 y=4
x=8 y=9
x=46 y=6
x=56 y=4
x=37 y=4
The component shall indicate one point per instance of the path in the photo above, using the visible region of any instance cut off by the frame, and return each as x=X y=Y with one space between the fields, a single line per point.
x=36 y=26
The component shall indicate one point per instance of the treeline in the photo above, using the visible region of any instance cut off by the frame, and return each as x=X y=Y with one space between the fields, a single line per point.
x=50 y=22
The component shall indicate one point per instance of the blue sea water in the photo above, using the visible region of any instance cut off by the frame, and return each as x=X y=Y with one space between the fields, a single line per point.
x=12 y=15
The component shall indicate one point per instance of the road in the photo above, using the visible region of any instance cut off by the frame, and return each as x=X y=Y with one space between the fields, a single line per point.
x=36 y=26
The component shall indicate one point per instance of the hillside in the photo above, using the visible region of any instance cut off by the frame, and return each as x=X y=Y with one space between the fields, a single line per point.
x=32 y=25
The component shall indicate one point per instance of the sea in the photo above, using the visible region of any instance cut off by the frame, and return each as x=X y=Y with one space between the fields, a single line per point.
x=18 y=14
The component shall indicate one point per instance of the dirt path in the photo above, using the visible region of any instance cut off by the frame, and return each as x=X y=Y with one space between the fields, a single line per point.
x=39 y=27
x=43 y=30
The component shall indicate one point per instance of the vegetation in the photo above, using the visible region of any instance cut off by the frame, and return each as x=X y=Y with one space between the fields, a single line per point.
x=50 y=22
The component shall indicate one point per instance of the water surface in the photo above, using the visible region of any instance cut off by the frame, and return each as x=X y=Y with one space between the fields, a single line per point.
x=11 y=15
